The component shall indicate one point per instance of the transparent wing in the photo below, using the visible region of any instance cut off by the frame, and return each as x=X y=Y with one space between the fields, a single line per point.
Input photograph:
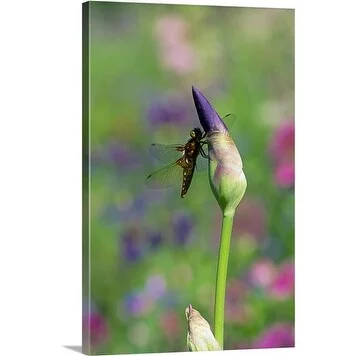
x=166 y=176
x=202 y=164
x=166 y=153
x=229 y=120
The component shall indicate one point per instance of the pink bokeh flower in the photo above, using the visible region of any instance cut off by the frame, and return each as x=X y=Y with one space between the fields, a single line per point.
x=262 y=273
x=250 y=223
x=236 y=309
x=282 y=150
x=282 y=286
x=283 y=141
x=277 y=281
x=171 y=29
x=95 y=327
x=251 y=219
x=176 y=53
x=277 y=335
x=170 y=325
x=284 y=174
x=180 y=58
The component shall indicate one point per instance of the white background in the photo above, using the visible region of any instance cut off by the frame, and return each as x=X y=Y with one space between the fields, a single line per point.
x=40 y=176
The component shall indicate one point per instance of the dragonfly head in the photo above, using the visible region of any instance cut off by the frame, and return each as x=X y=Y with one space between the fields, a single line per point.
x=196 y=133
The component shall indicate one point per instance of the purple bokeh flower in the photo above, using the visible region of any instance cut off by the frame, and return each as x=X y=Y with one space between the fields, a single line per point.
x=182 y=229
x=155 y=239
x=170 y=299
x=168 y=110
x=137 y=304
x=118 y=155
x=155 y=287
x=131 y=245
x=132 y=210
x=282 y=287
x=95 y=327
x=115 y=155
x=277 y=335
x=282 y=150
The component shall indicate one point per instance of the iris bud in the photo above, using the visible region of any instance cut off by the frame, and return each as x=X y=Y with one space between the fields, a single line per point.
x=200 y=336
x=226 y=176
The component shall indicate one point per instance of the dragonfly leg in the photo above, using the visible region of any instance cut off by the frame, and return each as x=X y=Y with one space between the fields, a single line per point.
x=201 y=151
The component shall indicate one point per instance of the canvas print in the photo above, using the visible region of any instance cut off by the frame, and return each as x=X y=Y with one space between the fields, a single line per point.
x=188 y=178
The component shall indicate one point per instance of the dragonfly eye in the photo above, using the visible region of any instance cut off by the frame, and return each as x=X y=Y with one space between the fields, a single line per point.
x=192 y=133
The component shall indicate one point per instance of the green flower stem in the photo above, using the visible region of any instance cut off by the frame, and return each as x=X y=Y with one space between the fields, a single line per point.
x=221 y=277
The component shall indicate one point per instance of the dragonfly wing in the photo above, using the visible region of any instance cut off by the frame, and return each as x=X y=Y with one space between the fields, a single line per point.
x=166 y=153
x=201 y=164
x=229 y=120
x=166 y=176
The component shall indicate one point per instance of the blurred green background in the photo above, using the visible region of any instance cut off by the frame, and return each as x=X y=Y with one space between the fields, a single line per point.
x=151 y=252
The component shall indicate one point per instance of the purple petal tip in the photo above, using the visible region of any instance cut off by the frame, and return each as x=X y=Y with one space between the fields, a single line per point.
x=208 y=117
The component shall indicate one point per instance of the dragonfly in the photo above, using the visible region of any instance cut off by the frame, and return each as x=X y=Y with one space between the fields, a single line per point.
x=185 y=159
x=183 y=167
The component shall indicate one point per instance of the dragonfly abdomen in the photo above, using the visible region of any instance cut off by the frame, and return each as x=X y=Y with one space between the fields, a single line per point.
x=187 y=179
